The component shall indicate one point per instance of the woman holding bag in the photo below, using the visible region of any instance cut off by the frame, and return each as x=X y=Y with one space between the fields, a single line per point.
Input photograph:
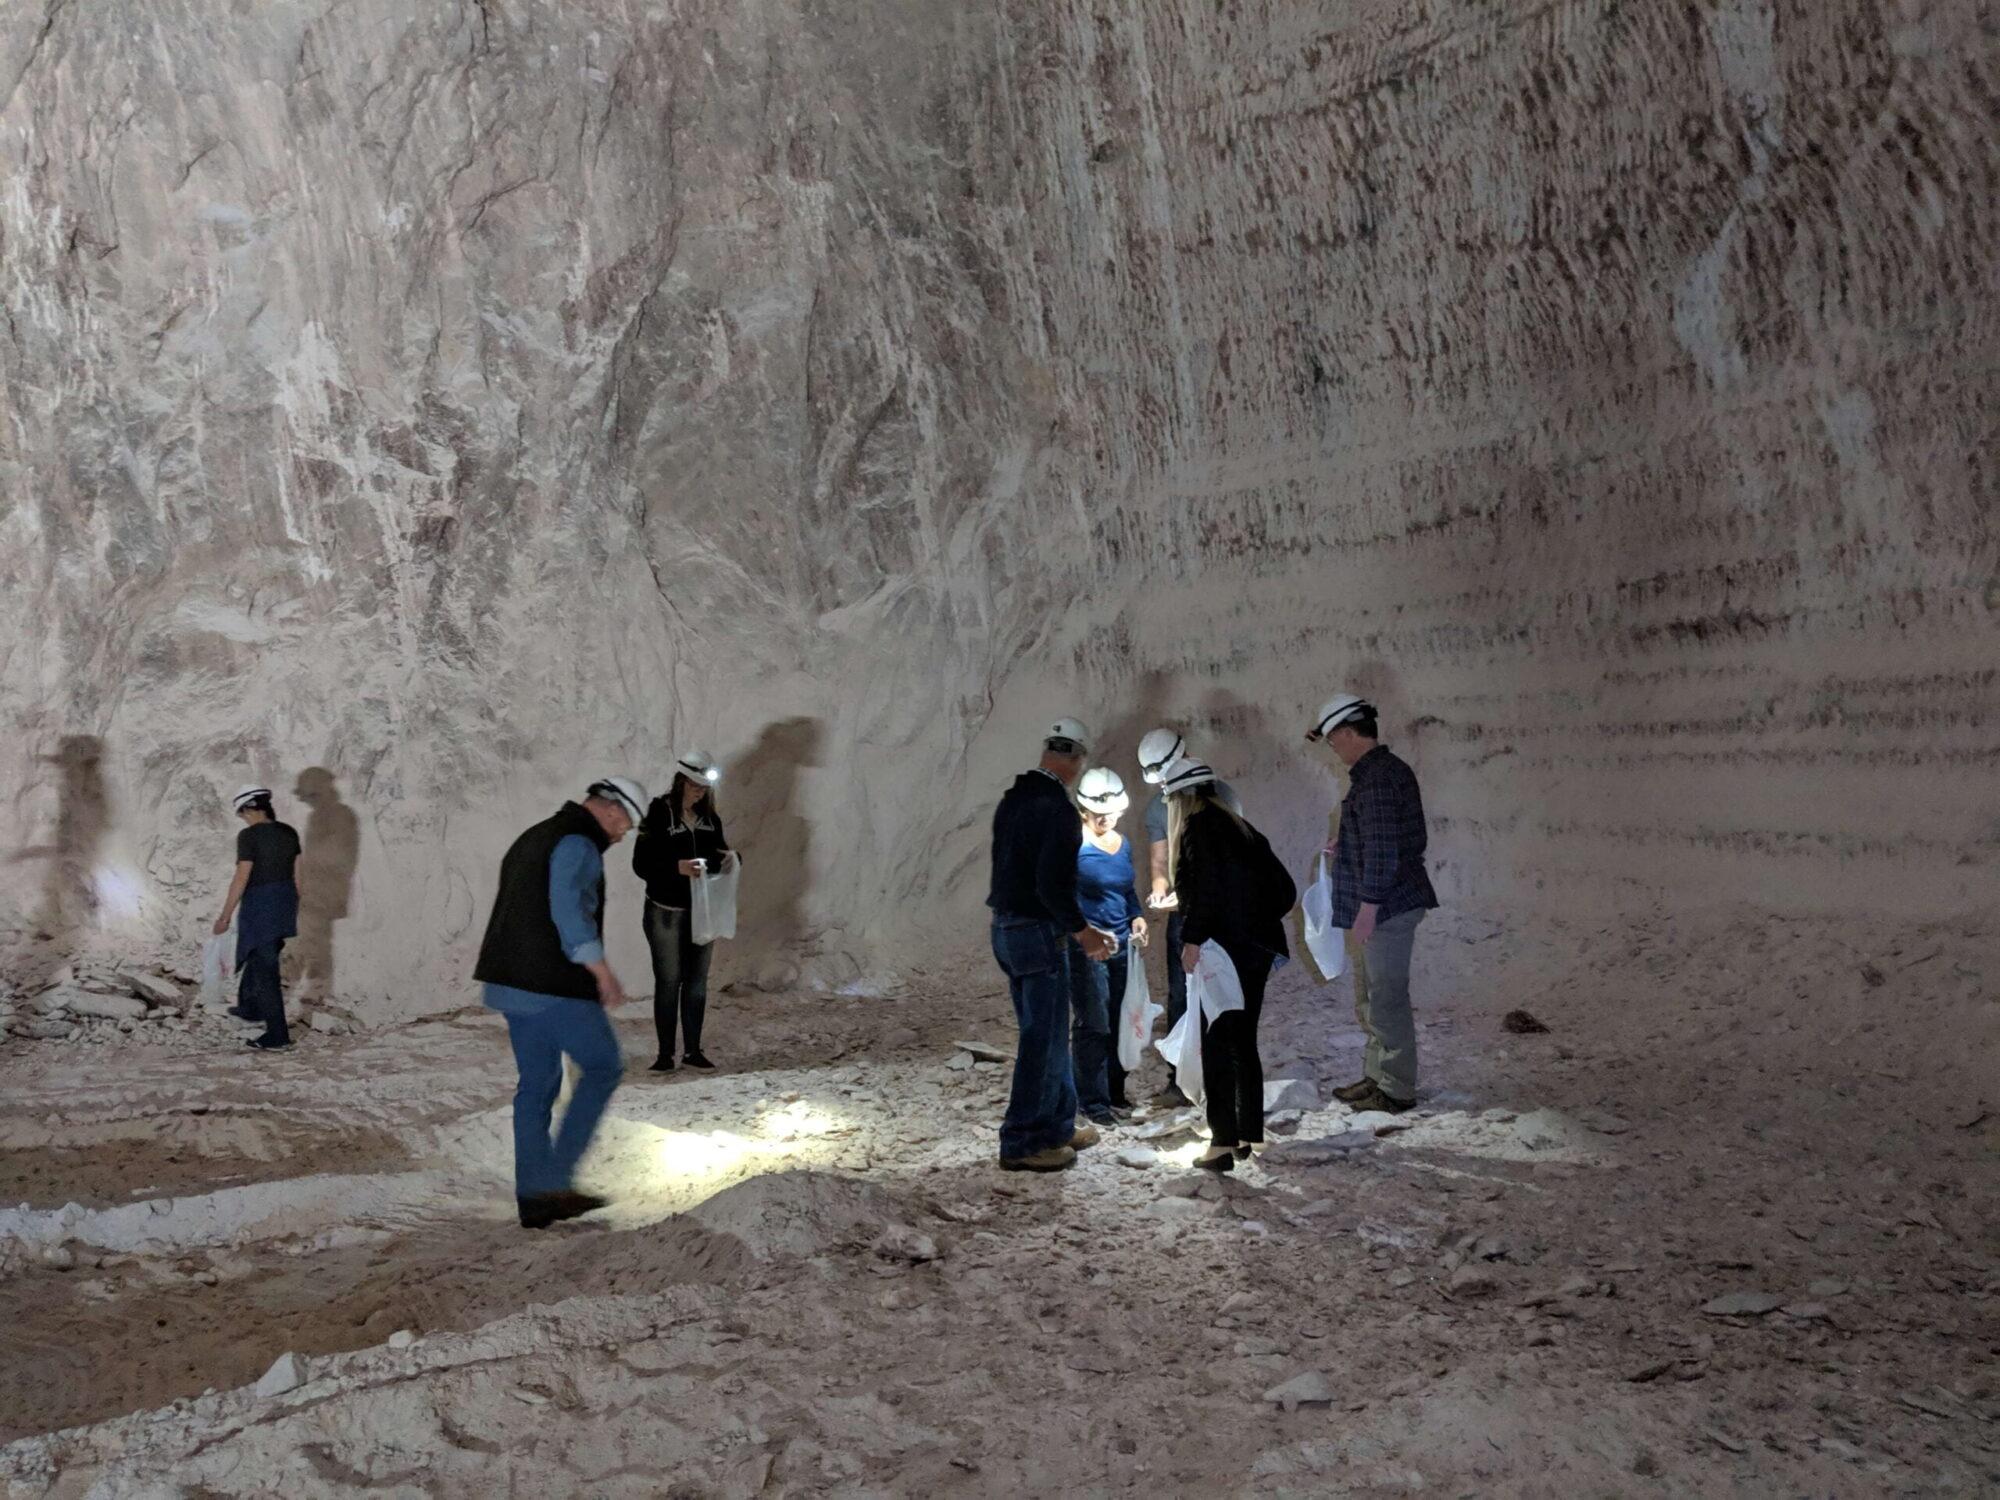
x=680 y=840
x=1109 y=896
x=1234 y=892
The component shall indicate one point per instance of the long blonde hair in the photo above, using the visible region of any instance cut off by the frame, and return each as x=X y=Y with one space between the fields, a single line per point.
x=1184 y=805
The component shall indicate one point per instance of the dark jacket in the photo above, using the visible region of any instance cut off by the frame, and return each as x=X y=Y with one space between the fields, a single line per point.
x=1036 y=831
x=1379 y=856
x=663 y=842
x=1220 y=877
x=522 y=947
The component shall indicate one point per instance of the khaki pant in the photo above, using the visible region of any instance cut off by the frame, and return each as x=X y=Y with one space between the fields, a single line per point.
x=1382 y=1003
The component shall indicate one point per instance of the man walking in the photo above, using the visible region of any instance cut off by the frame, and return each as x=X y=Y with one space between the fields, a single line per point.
x=1380 y=894
x=1158 y=750
x=1036 y=833
x=544 y=969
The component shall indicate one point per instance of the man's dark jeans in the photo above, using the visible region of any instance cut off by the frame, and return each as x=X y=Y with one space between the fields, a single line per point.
x=1096 y=989
x=260 y=996
x=1041 y=1110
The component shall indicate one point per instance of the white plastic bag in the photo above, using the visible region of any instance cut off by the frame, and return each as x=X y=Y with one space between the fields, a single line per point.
x=1213 y=989
x=218 y=960
x=1326 y=942
x=1181 y=1047
x=1214 y=985
x=714 y=902
x=1136 y=1012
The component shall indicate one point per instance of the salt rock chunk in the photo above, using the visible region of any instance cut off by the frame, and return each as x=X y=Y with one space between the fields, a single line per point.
x=284 y=1375
x=1136 y=1156
x=985 y=1052
x=960 y=1062
x=150 y=987
x=402 y=1338
x=1743 y=1305
x=1290 y=1093
x=107 y=1007
x=900 y=1242
x=1472 y=1280
x=1310 y=1389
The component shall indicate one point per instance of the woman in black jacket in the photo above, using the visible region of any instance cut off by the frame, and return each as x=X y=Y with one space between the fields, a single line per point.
x=681 y=838
x=1228 y=884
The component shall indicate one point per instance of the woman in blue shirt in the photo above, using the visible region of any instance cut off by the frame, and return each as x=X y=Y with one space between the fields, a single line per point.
x=1109 y=896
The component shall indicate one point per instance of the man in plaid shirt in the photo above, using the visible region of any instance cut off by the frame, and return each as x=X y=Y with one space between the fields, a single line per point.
x=1380 y=894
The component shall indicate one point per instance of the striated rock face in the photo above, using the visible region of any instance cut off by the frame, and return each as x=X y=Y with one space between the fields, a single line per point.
x=426 y=406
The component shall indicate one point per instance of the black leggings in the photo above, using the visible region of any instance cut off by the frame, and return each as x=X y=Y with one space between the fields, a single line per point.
x=1232 y=1072
x=680 y=976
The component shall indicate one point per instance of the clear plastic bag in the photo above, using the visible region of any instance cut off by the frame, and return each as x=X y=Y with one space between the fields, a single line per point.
x=713 y=902
x=1326 y=942
x=218 y=960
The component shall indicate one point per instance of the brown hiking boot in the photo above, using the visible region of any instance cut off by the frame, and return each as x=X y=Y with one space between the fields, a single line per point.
x=1360 y=1089
x=1087 y=1135
x=1054 y=1159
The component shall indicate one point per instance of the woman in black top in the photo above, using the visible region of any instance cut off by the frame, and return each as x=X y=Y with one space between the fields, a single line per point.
x=680 y=838
x=1227 y=882
x=266 y=890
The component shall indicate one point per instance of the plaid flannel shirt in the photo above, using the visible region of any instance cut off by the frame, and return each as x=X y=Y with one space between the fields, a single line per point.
x=1379 y=856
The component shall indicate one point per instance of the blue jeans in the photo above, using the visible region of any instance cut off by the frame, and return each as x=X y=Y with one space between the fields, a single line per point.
x=260 y=996
x=1097 y=987
x=541 y=1038
x=1041 y=1110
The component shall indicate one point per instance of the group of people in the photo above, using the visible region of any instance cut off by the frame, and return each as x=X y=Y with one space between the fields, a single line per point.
x=1068 y=921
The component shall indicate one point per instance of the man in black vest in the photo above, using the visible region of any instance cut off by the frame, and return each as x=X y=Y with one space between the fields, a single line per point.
x=544 y=969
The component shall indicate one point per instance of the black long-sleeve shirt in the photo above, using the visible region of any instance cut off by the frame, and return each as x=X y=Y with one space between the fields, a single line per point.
x=1216 y=883
x=1036 y=831
x=665 y=839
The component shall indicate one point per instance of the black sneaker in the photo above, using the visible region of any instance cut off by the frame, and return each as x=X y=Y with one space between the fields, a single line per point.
x=544 y=1209
x=695 y=1060
x=1217 y=1159
x=265 y=1044
x=664 y=1065
x=1106 y=1121
x=1360 y=1089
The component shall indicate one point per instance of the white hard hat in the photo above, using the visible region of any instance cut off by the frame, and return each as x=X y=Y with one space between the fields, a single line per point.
x=1158 y=750
x=1184 y=775
x=624 y=791
x=1101 y=791
x=699 y=765
x=245 y=795
x=1070 y=730
x=1338 y=710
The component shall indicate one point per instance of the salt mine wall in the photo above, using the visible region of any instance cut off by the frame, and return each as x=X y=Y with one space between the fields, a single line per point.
x=443 y=402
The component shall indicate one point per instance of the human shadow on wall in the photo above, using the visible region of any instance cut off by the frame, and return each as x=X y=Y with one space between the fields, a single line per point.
x=1118 y=743
x=83 y=816
x=776 y=839
x=330 y=850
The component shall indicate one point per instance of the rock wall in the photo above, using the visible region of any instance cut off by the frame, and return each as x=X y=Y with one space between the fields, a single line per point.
x=441 y=402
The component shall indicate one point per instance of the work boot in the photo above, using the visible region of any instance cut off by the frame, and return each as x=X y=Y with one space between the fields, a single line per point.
x=1087 y=1135
x=1054 y=1159
x=1171 y=1097
x=1361 y=1088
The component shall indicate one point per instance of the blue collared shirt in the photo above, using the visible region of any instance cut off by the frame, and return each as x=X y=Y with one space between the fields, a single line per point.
x=574 y=871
